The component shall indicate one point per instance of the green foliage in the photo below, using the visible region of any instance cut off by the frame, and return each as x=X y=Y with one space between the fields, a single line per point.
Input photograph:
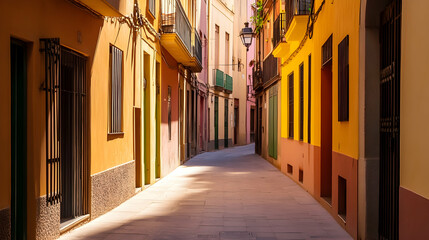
x=258 y=18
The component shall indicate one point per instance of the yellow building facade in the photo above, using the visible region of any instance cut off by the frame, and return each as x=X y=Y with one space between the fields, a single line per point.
x=317 y=144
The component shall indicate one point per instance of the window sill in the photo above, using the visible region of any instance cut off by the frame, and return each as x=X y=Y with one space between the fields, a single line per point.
x=115 y=133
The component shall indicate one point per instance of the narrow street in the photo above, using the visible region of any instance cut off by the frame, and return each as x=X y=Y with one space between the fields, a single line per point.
x=228 y=194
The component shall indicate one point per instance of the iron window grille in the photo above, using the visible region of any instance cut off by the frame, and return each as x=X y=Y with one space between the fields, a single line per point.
x=116 y=65
x=152 y=7
x=327 y=51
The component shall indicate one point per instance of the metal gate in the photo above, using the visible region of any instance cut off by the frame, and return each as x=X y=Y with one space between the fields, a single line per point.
x=390 y=40
x=52 y=49
x=65 y=104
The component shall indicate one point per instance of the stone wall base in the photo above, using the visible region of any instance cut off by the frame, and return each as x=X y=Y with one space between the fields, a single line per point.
x=111 y=188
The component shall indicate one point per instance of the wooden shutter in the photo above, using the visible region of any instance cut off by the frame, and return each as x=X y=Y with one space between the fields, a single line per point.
x=291 y=107
x=270 y=126
x=301 y=102
x=343 y=80
x=309 y=100
x=116 y=90
x=275 y=126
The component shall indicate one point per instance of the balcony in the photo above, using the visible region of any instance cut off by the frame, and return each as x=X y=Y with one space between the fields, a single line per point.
x=176 y=32
x=222 y=81
x=197 y=53
x=279 y=29
x=270 y=70
x=297 y=12
x=257 y=77
x=110 y=8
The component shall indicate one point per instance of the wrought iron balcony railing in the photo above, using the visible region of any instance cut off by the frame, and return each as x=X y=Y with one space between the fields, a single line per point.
x=257 y=76
x=174 y=20
x=197 y=47
x=270 y=68
x=279 y=29
x=296 y=7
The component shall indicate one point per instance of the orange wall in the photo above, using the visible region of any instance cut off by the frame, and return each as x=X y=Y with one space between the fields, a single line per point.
x=51 y=23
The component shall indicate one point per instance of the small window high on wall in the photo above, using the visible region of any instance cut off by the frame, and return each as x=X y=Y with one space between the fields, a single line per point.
x=343 y=80
x=116 y=65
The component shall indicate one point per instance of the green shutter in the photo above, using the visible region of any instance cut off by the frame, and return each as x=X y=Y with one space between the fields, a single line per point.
x=275 y=126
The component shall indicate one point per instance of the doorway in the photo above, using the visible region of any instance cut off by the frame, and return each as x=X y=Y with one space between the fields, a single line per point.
x=73 y=118
x=225 y=142
x=326 y=123
x=18 y=63
x=158 y=121
x=236 y=119
x=216 y=122
x=137 y=146
x=390 y=68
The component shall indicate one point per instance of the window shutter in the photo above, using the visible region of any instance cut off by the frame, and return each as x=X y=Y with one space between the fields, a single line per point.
x=301 y=102
x=291 y=106
x=343 y=80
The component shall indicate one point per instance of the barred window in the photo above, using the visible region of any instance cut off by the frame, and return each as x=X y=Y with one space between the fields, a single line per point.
x=152 y=7
x=116 y=65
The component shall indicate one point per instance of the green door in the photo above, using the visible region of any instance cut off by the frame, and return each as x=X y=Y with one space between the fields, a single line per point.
x=18 y=139
x=226 y=123
x=216 y=122
x=272 y=123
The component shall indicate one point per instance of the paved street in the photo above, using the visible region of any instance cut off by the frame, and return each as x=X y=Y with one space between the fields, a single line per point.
x=228 y=194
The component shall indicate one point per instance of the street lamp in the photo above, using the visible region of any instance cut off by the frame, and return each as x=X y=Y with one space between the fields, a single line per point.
x=246 y=35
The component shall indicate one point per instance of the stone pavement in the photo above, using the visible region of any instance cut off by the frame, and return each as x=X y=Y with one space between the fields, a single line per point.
x=225 y=195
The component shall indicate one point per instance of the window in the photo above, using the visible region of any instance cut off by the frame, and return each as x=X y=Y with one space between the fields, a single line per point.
x=289 y=169
x=152 y=7
x=301 y=102
x=309 y=100
x=216 y=46
x=291 y=106
x=343 y=80
x=169 y=112
x=115 y=90
x=342 y=197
